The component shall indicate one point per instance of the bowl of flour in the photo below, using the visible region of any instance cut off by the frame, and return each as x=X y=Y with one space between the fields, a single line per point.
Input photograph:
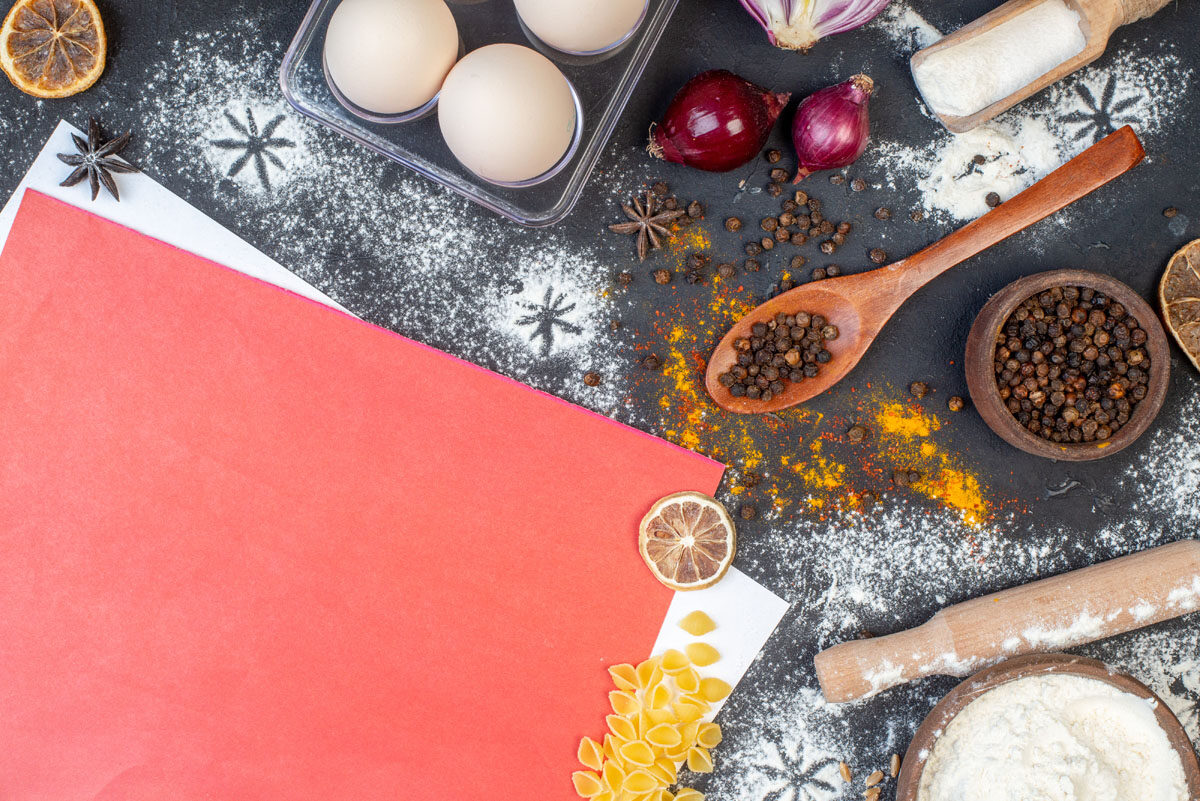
x=1050 y=727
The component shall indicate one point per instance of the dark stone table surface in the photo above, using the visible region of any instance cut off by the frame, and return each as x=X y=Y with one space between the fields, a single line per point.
x=544 y=307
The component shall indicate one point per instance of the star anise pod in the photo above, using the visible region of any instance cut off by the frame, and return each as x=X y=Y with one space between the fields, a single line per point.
x=96 y=160
x=649 y=223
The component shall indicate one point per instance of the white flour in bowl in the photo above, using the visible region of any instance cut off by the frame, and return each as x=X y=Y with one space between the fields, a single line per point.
x=1054 y=738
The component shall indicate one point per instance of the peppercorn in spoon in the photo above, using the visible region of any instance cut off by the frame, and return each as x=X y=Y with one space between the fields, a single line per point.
x=855 y=308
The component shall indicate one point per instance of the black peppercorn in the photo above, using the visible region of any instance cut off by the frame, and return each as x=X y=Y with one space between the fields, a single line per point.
x=878 y=255
x=956 y=404
x=662 y=276
x=857 y=434
x=992 y=200
x=918 y=389
x=883 y=213
x=733 y=224
x=773 y=156
x=592 y=379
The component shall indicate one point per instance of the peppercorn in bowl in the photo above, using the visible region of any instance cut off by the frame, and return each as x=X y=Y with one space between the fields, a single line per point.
x=1068 y=364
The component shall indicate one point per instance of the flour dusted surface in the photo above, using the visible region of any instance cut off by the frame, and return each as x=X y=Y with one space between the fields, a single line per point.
x=1054 y=738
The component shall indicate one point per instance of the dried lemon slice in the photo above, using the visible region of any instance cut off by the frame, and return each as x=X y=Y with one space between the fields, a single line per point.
x=688 y=541
x=1179 y=293
x=53 y=48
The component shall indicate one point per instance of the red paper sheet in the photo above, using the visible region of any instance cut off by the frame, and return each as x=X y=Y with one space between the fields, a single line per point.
x=256 y=550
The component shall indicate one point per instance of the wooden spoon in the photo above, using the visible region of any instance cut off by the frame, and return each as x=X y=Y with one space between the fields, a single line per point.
x=860 y=305
x=1097 y=19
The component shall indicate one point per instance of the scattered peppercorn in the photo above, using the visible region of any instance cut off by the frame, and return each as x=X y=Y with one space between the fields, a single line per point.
x=751 y=266
x=800 y=198
x=671 y=204
x=733 y=224
x=979 y=159
x=956 y=404
x=774 y=189
x=916 y=215
x=660 y=189
x=844 y=228
x=883 y=213
x=726 y=270
x=1170 y=212
x=753 y=248
x=695 y=209
x=833 y=270
x=819 y=273
x=992 y=199
x=878 y=255
x=918 y=389
x=828 y=247
x=814 y=204
x=799 y=238
x=592 y=379
x=773 y=156
x=662 y=276
x=857 y=434
x=787 y=348
x=651 y=362
x=767 y=243
x=747 y=512
x=779 y=175
x=1070 y=365
x=769 y=224
x=625 y=278
x=614 y=325
x=858 y=185
x=837 y=180
x=798 y=262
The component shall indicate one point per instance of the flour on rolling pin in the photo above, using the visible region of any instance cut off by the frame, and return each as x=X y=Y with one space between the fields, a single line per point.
x=1052 y=614
x=972 y=75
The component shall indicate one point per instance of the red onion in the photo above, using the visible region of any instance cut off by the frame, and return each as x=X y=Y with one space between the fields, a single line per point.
x=717 y=122
x=798 y=24
x=831 y=126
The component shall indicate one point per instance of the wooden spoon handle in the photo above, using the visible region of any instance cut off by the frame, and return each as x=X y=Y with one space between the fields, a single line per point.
x=1093 y=168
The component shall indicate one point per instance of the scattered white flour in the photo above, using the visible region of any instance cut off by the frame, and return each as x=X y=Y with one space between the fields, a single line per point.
x=1031 y=140
x=1084 y=627
x=975 y=73
x=1167 y=660
x=1054 y=737
x=955 y=173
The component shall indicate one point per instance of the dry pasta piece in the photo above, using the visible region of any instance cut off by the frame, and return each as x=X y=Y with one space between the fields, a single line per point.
x=688 y=794
x=689 y=712
x=687 y=680
x=587 y=783
x=612 y=747
x=591 y=753
x=621 y=727
x=665 y=795
x=664 y=736
x=666 y=768
x=674 y=661
x=697 y=699
x=614 y=777
x=699 y=760
x=605 y=795
x=709 y=735
x=640 y=781
x=657 y=716
x=624 y=676
x=659 y=697
x=637 y=753
x=649 y=673
x=702 y=654
x=713 y=689
x=697 y=624
x=624 y=703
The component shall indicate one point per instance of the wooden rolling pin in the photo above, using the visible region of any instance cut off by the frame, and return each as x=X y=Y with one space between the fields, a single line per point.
x=1048 y=615
x=1098 y=20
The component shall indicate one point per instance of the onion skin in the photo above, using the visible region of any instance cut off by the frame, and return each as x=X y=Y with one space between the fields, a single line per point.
x=832 y=127
x=717 y=122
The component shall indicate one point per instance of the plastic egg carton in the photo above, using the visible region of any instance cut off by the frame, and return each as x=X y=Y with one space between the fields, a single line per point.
x=603 y=84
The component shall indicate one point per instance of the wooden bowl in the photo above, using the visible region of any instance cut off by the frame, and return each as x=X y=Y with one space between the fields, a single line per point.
x=981 y=377
x=909 y=782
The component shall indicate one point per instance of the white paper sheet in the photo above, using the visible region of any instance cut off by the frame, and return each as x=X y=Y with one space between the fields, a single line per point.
x=745 y=613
